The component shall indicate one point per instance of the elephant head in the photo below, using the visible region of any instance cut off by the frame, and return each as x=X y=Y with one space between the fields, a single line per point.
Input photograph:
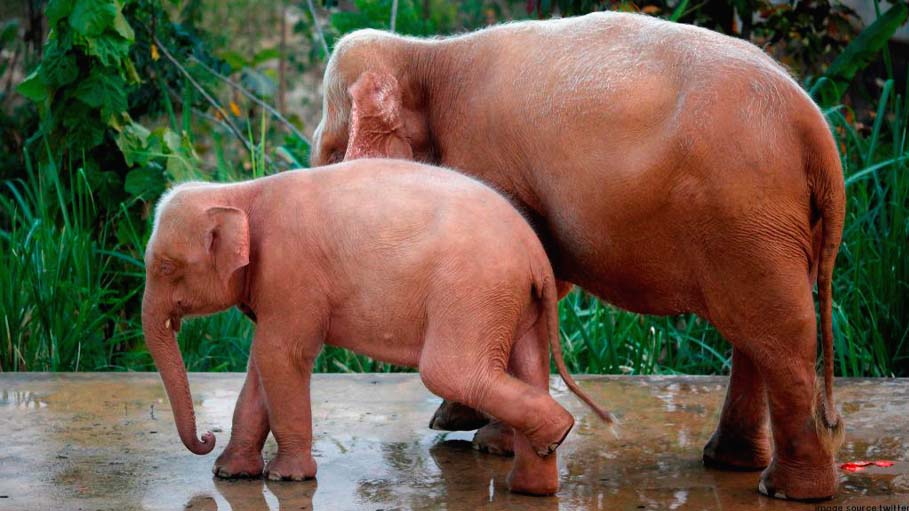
x=372 y=101
x=194 y=262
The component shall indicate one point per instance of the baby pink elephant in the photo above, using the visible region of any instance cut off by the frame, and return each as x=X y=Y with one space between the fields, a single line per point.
x=409 y=264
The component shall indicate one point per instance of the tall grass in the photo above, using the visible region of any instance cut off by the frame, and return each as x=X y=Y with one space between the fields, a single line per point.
x=69 y=291
x=60 y=307
x=871 y=308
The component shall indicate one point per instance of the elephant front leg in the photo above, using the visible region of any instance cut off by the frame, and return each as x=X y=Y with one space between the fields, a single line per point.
x=742 y=438
x=285 y=375
x=243 y=455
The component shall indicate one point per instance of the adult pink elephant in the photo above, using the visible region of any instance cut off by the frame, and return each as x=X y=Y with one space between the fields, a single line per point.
x=667 y=169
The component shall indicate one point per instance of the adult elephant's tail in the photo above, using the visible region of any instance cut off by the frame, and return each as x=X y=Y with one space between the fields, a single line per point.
x=828 y=202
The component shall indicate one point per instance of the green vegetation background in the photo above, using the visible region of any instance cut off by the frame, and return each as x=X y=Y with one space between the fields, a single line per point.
x=105 y=103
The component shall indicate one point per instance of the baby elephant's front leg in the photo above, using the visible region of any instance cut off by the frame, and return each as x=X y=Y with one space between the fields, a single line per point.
x=285 y=380
x=243 y=455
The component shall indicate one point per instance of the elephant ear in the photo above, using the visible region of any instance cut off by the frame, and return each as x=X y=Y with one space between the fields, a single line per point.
x=376 y=118
x=227 y=240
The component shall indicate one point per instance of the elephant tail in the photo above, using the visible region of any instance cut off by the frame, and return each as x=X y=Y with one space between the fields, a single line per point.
x=828 y=201
x=550 y=298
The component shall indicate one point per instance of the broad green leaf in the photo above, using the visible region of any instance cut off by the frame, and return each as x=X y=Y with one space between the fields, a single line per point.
x=109 y=48
x=179 y=168
x=172 y=141
x=106 y=92
x=146 y=182
x=92 y=17
x=122 y=27
x=33 y=87
x=58 y=68
x=56 y=10
x=82 y=126
x=133 y=143
x=863 y=48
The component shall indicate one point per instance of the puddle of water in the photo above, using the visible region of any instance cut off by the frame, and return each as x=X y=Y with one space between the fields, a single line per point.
x=108 y=442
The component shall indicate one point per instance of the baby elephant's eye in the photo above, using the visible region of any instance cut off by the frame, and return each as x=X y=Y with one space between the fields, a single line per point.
x=166 y=268
x=335 y=157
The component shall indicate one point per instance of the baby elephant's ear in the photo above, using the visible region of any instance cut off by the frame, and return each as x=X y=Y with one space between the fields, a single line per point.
x=227 y=240
x=377 y=124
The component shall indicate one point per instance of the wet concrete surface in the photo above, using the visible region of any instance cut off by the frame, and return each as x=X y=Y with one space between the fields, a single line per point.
x=107 y=441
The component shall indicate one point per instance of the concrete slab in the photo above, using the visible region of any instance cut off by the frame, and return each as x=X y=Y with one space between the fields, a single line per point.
x=107 y=441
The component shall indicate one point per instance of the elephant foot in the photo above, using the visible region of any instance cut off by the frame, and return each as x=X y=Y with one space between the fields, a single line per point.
x=495 y=438
x=532 y=474
x=291 y=468
x=451 y=416
x=799 y=483
x=737 y=452
x=532 y=483
x=235 y=464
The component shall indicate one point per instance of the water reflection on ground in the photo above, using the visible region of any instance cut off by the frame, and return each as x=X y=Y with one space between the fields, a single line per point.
x=108 y=442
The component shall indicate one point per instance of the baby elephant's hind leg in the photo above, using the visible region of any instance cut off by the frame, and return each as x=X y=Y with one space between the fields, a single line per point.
x=494 y=436
x=524 y=403
x=530 y=362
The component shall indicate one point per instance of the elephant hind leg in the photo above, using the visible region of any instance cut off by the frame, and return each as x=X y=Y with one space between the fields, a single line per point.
x=521 y=401
x=493 y=436
x=742 y=438
x=529 y=362
x=766 y=310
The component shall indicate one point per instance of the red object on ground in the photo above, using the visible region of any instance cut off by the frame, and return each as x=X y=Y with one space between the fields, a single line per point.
x=857 y=466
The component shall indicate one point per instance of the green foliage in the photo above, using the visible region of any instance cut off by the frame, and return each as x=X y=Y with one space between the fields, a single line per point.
x=411 y=19
x=860 y=53
x=62 y=301
x=88 y=43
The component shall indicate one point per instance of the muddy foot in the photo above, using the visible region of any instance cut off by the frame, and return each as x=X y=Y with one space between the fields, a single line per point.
x=495 y=438
x=233 y=464
x=799 y=483
x=451 y=416
x=291 y=468
x=728 y=452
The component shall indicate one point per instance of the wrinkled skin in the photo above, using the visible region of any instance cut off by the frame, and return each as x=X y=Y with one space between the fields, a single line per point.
x=437 y=272
x=666 y=168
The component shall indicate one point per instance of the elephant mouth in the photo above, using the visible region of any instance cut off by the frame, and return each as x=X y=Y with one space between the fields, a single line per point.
x=173 y=323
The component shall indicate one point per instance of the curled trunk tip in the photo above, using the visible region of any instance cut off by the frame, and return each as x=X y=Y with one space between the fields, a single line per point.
x=205 y=445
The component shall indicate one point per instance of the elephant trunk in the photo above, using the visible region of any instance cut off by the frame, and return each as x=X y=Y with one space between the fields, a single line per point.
x=159 y=330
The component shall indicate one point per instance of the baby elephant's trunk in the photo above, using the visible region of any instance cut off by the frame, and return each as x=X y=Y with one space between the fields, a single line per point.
x=550 y=299
x=162 y=343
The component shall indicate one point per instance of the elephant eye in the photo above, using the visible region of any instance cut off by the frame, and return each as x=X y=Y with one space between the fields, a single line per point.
x=166 y=268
